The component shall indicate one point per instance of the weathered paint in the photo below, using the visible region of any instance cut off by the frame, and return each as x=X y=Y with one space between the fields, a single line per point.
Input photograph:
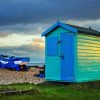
x=88 y=58
x=53 y=68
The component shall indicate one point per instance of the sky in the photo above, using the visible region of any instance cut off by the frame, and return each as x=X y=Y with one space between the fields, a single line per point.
x=23 y=21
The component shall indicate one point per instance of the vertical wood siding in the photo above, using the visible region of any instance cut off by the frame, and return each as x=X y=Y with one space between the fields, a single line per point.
x=88 y=57
x=68 y=60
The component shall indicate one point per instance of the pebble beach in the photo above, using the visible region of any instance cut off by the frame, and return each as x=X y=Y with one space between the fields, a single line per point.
x=12 y=77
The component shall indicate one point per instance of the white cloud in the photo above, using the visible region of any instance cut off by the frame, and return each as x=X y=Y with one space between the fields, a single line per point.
x=16 y=40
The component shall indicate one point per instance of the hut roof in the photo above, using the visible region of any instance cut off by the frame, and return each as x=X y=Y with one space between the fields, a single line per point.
x=72 y=28
x=85 y=30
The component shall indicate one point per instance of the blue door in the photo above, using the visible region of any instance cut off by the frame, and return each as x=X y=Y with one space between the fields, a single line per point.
x=67 y=56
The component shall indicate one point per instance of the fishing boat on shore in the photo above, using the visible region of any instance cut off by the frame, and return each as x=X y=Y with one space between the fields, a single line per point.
x=12 y=62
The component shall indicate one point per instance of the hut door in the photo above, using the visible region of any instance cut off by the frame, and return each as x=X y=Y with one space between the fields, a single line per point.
x=67 y=56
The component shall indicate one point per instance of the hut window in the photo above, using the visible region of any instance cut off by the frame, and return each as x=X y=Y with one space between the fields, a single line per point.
x=52 y=46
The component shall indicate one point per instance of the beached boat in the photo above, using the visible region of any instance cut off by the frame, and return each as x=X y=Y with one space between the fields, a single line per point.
x=12 y=62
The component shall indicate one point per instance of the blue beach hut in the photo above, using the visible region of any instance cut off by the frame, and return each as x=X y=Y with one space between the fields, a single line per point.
x=72 y=53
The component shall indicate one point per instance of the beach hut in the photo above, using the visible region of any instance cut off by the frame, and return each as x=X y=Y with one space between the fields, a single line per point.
x=72 y=53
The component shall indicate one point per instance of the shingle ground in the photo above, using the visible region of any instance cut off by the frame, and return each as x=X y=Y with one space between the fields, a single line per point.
x=11 y=77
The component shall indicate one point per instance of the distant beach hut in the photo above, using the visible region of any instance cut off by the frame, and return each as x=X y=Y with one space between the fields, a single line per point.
x=72 y=53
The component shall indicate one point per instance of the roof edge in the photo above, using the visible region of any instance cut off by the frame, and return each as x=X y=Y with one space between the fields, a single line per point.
x=65 y=26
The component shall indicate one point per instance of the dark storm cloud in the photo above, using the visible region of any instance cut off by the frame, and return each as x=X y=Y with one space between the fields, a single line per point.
x=34 y=11
x=26 y=29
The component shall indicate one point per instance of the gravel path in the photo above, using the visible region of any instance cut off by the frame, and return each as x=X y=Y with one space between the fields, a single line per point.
x=10 y=77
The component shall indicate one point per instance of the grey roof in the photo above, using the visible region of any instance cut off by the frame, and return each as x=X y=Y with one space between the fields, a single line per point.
x=72 y=28
x=86 y=30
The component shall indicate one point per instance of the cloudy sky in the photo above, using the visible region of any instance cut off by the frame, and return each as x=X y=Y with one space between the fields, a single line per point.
x=23 y=21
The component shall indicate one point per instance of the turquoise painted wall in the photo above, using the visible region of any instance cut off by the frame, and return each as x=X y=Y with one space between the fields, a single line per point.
x=53 y=68
x=88 y=58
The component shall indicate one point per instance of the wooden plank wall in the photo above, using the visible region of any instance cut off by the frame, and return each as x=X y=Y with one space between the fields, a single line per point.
x=88 y=57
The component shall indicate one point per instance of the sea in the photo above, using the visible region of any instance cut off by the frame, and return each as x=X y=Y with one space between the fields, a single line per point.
x=36 y=64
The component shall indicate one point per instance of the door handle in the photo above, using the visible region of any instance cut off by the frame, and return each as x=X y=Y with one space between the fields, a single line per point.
x=62 y=56
x=59 y=41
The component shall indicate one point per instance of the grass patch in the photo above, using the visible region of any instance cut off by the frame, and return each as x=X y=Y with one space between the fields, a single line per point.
x=55 y=91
